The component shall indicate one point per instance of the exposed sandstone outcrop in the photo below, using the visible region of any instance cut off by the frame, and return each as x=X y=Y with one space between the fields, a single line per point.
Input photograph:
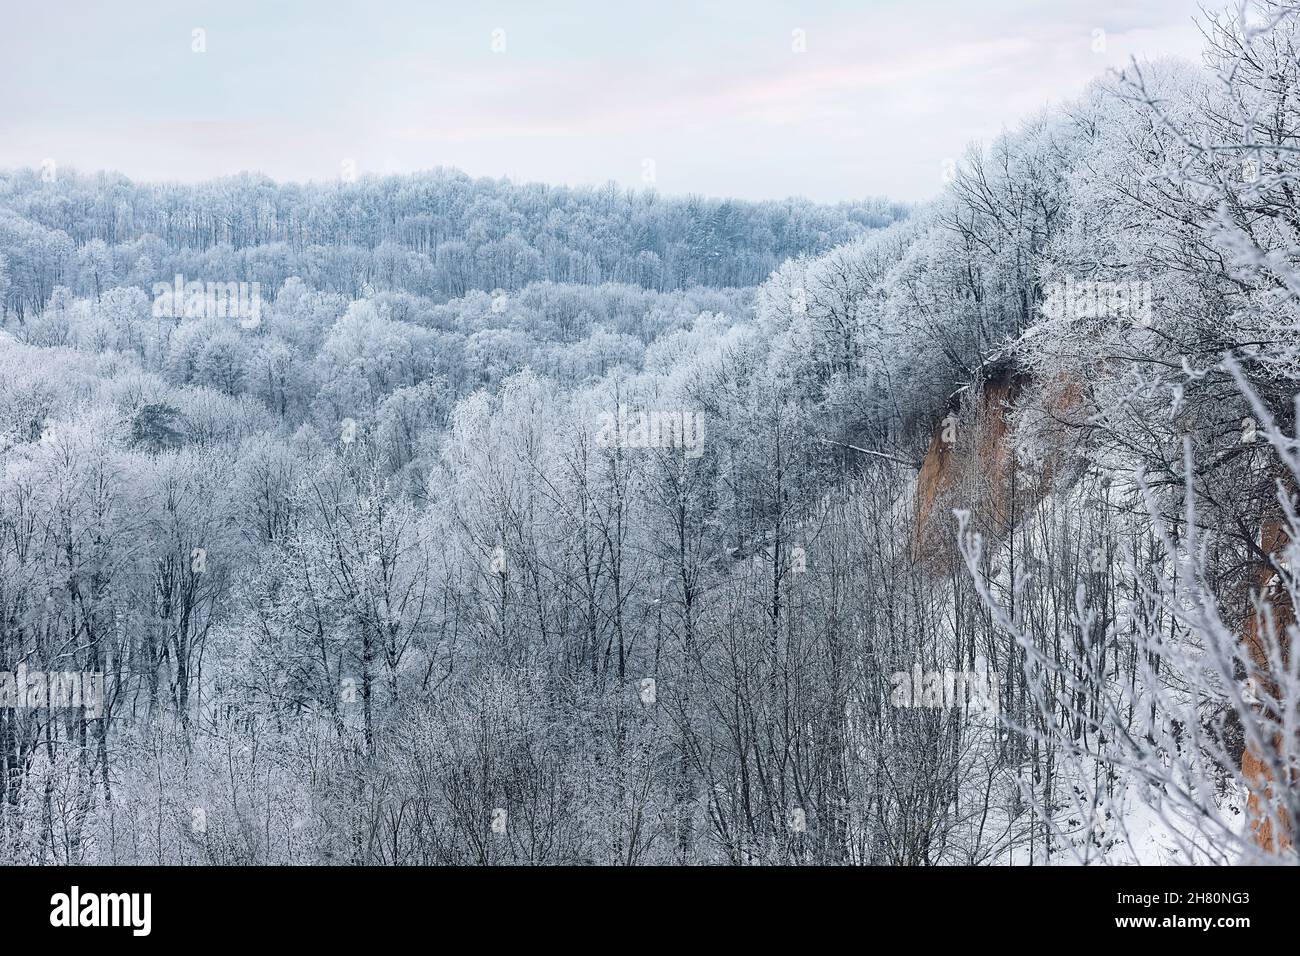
x=1259 y=640
x=972 y=463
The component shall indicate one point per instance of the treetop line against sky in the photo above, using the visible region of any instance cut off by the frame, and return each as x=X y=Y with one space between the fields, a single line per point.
x=754 y=100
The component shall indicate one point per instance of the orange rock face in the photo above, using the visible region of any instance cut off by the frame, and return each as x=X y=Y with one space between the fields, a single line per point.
x=1273 y=832
x=971 y=463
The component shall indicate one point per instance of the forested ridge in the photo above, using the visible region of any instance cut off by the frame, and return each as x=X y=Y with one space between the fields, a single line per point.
x=419 y=562
x=438 y=234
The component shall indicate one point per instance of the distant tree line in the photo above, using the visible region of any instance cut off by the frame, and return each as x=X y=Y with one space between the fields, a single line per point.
x=439 y=234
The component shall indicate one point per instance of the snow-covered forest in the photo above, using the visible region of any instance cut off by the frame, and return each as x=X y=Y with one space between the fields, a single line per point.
x=427 y=519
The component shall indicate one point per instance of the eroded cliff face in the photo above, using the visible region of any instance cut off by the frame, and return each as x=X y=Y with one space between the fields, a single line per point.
x=1272 y=832
x=972 y=464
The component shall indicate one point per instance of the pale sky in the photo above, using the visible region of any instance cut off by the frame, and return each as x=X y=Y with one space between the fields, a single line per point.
x=710 y=98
